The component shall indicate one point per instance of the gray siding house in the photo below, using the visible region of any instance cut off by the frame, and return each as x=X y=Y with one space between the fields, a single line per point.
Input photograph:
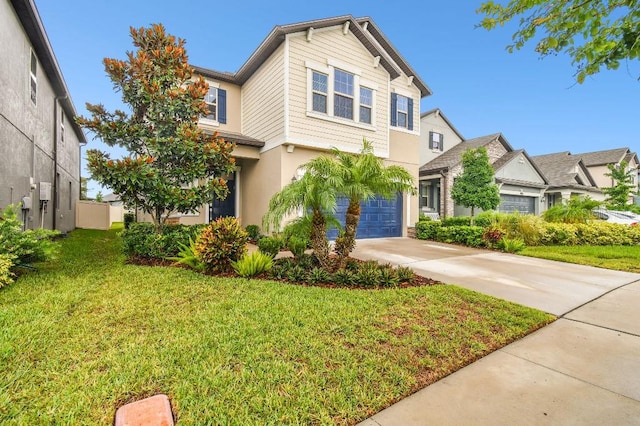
x=40 y=142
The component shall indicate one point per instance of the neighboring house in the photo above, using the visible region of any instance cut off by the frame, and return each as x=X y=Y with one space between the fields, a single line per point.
x=39 y=138
x=568 y=176
x=307 y=88
x=597 y=163
x=437 y=135
x=520 y=182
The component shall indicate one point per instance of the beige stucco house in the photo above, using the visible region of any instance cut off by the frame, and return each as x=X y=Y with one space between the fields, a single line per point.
x=40 y=140
x=597 y=163
x=308 y=87
x=521 y=183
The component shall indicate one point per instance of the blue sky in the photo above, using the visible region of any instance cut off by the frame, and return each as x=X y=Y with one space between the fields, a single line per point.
x=480 y=87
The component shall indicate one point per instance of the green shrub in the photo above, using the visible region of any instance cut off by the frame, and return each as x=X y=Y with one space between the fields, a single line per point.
x=188 y=256
x=427 y=230
x=281 y=268
x=344 y=277
x=297 y=246
x=485 y=219
x=576 y=210
x=129 y=218
x=456 y=221
x=367 y=274
x=319 y=276
x=307 y=261
x=511 y=245
x=253 y=231
x=297 y=274
x=405 y=274
x=222 y=242
x=252 y=264
x=600 y=233
x=468 y=235
x=388 y=276
x=270 y=245
x=141 y=240
x=559 y=234
x=423 y=218
x=25 y=247
x=6 y=264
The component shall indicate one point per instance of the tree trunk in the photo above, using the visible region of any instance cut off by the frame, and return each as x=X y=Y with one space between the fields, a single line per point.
x=472 y=221
x=347 y=241
x=319 y=238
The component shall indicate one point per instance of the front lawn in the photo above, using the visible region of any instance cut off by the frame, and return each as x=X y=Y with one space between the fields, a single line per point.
x=88 y=333
x=621 y=258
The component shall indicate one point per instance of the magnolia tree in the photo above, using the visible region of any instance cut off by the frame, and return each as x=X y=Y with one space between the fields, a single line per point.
x=173 y=166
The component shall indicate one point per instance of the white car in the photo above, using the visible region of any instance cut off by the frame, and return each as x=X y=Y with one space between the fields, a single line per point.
x=613 y=216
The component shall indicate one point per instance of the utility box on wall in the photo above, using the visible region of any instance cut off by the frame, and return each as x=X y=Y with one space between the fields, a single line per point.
x=45 y=191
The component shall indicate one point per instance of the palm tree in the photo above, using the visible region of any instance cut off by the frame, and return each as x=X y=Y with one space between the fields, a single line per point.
x=360 y=177
x=315 y=195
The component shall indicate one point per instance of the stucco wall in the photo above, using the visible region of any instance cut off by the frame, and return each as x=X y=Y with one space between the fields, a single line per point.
x=27 y=134
x=520 y=168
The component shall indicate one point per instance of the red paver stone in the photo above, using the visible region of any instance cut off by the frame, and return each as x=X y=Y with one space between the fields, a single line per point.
x=153 y=411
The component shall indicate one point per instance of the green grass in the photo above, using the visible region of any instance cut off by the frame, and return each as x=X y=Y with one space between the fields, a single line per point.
x=87 y=334
x=621 y=258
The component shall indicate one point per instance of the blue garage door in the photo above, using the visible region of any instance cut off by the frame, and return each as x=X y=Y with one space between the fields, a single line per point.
x=379 y=217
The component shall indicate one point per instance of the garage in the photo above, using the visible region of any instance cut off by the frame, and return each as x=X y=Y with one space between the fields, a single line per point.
x=517 y=203
x=379 y=217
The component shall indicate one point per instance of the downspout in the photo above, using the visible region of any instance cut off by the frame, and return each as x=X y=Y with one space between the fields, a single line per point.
x=55 y=160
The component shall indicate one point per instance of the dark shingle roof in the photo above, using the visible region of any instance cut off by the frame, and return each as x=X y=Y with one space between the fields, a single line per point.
x=600 y=158
x=240 y=139
x=559 y=169
x=453 y=156
x=372 y=39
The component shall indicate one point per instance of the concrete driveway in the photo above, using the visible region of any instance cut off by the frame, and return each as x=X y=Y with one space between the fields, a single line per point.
x=553 y=287
x=583 y=369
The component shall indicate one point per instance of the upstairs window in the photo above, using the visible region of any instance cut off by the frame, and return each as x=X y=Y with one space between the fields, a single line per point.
x=211 y=99
x=401 y=111
x=319 y=92
x=436 y=141
x=33 y=72
x=337 y=92
x=216 y=100
x=343 y=98
x=366 y=103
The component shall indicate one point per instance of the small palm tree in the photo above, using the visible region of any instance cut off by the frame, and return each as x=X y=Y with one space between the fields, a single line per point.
x=315 y=195
x=361 y=177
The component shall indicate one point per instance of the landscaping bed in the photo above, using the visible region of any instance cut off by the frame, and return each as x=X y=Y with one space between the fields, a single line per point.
x=89 y=333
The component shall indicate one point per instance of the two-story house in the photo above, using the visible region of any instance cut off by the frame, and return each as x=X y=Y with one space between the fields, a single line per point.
x=40 y=161
x=521 y=183
x=308 y=87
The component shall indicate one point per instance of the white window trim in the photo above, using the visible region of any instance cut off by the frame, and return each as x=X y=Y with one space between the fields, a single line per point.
x=310 y=73
x=373 y=102
x=62 y=135
x=206 y=121
x=329 y=70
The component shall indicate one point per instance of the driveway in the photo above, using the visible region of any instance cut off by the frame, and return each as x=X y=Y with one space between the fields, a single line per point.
x=583 y=369
x=553 y=287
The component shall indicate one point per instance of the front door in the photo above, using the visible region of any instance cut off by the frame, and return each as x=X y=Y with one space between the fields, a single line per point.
x=227 y=207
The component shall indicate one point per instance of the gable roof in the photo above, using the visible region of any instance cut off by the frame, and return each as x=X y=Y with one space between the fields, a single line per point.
x=362 y=28
x=559 y=169
x=452 y=157
x=601 y=158
x=512 y=155
x=30 y=19
x=439 y=113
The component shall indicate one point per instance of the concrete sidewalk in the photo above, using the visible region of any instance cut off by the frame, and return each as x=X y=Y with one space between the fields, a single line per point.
x=583 y=369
